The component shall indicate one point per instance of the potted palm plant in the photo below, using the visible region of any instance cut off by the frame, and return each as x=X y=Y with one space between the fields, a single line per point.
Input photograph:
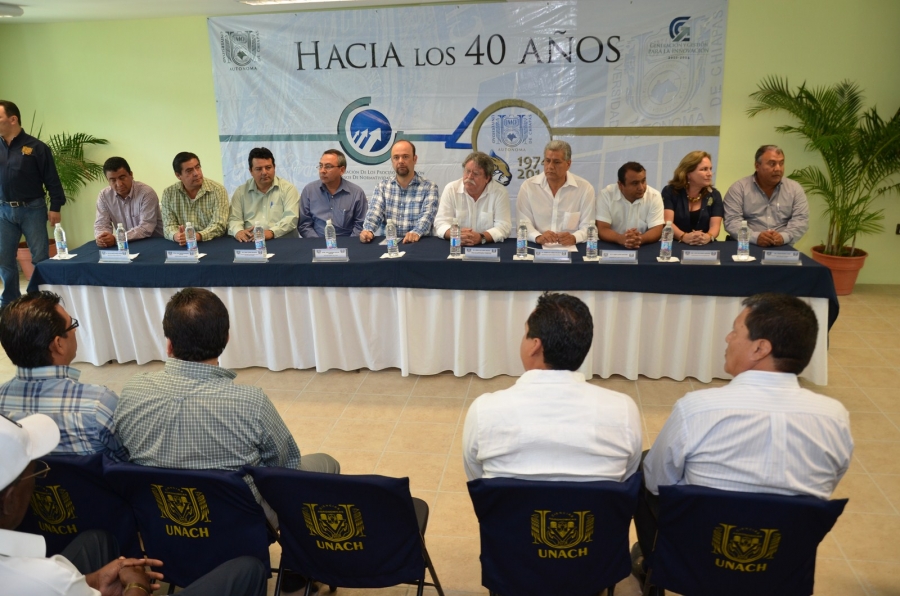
x=75 y=172
x=861 y=155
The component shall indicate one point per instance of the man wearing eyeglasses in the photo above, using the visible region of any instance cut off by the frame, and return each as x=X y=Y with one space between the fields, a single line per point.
x=39 y=337
x=557 y=205
x=90 y=564
x=479 y=203
x=332 y=197
x=265 y=198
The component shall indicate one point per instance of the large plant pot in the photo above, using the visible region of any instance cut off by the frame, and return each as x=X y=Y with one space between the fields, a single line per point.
x=844 y=270
x=24 y=257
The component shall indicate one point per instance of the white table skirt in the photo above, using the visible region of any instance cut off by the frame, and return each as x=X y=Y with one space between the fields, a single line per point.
x=422 y=331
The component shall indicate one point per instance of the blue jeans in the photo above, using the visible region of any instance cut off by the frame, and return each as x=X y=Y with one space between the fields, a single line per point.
x=30 y=220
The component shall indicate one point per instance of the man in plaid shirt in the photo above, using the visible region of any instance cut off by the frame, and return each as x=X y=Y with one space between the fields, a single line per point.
x=409 y=199
x=38 y=336
x=194 y=199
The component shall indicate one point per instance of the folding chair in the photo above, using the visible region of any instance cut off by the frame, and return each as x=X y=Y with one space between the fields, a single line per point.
x=554 y=537
x=75 y=497
x=193 y=520
x=712 y=542
x=354 y=531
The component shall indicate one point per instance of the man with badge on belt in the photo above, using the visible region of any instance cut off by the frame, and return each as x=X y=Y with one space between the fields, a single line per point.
x=26 y=167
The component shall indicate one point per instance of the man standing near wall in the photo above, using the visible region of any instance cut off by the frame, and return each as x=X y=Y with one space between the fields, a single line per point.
x=26 y=167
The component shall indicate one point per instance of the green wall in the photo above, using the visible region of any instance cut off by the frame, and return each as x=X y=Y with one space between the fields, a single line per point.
x=146 y=85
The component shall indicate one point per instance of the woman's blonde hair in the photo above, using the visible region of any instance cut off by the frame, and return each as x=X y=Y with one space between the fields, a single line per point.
x=688 y=164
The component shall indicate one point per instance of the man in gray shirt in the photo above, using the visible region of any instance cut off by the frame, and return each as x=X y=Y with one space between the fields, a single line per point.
x=775 y=207
x=125 y=201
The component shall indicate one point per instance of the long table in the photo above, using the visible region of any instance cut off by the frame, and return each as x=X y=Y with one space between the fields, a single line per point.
x=424 y=313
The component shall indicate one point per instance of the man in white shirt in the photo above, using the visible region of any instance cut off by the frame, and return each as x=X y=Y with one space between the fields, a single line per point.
x=557 y=205
x=629 y=212
x=552 y=425
x=81 y=569
x=479 y=203
x=762 y=432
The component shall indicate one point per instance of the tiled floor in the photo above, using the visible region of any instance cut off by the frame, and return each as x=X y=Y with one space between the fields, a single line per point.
x=412 y=426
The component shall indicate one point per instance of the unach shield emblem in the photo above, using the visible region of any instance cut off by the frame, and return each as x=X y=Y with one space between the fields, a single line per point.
x=745 y=545
x=184 y=506
x=561 y=529
x=52 y=504
x=335 y=523
x=512 y=130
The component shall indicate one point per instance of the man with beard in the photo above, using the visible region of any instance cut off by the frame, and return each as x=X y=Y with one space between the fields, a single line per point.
x=480 y=204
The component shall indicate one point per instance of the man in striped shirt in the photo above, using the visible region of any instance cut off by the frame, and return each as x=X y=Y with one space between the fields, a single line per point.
x=38 y=336
x=193 y=199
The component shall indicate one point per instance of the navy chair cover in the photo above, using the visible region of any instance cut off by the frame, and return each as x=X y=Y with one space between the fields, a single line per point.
x=193 y=520
x=343 y=530
x=75 y=497
x=554 y=537
x=713 y=542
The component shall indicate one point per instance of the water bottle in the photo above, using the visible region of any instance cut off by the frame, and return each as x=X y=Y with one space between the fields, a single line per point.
x=665 y=244
x=330 y=235
x=744 y=242
x=390 y=230
x=190 y=238
x=259 y=237
x=522 y=240
x=454 y=238
x=122 y=239
x=59 y=235
x=591 y=250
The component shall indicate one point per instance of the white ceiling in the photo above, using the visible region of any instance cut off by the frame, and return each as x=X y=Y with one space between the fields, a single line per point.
x=46 y=11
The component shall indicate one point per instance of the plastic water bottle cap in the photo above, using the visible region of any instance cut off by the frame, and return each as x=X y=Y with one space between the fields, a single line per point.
x=455 y=222
x=329 y=222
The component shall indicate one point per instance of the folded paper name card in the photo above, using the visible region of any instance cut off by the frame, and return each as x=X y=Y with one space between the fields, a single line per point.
x=181 y=256
x=554 y=255
x=781 y=257
x=619 y=257
x=699 y=257
x=330 y=255
x=115 y=256
x=250 y=256
x=482 y=254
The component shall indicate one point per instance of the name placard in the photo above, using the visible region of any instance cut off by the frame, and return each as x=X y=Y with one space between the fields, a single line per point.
x=699 y=257
x=250 y=256
x=114 y=256
x=330 y=255
x=781 y=257
x=619 y=257
x=481 y=254
x=552 y=255
x=181 y=256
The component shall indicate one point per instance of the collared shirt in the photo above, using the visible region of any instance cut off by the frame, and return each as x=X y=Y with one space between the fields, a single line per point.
x=760 y=433
x=277 y=209
x=412 y=208
x=26 y=166
x=623 y=215
x=552 y=425
x=138 y=212
x=193 y=416
x=25 y=568
x=346 y=209
x=676 y=200
x=490 y=213
x=787 y=212
x=84 y=413
x=571 y=210
x=208 y=211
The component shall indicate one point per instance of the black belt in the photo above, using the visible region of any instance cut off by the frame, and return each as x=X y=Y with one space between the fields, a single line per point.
x=20 y=203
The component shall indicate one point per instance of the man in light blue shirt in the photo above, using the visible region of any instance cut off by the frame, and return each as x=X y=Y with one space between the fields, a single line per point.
x=266 y=198
x=334 y=198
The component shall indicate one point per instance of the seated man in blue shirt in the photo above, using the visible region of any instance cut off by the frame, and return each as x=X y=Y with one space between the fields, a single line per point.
x=38 y=336
x=334 y=198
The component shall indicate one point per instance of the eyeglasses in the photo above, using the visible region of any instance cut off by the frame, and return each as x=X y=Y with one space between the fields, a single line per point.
x=74 y=325
x=40 y=474
x=326 y=166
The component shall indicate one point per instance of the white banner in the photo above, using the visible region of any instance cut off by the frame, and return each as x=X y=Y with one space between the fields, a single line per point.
x=620 y=81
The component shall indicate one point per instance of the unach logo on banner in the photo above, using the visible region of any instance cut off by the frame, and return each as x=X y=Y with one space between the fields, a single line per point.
x=240 y=48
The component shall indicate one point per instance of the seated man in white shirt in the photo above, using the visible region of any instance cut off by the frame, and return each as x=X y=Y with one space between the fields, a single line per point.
x=557 y=206
x=479 y=203
x=762 y=432
x=552 y=424
x=629 y=212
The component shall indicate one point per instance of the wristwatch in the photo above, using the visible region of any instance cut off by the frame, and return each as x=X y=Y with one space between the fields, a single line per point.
x=483 y=239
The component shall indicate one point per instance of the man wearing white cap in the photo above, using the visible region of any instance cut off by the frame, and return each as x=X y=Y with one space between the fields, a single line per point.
x=24 y=567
